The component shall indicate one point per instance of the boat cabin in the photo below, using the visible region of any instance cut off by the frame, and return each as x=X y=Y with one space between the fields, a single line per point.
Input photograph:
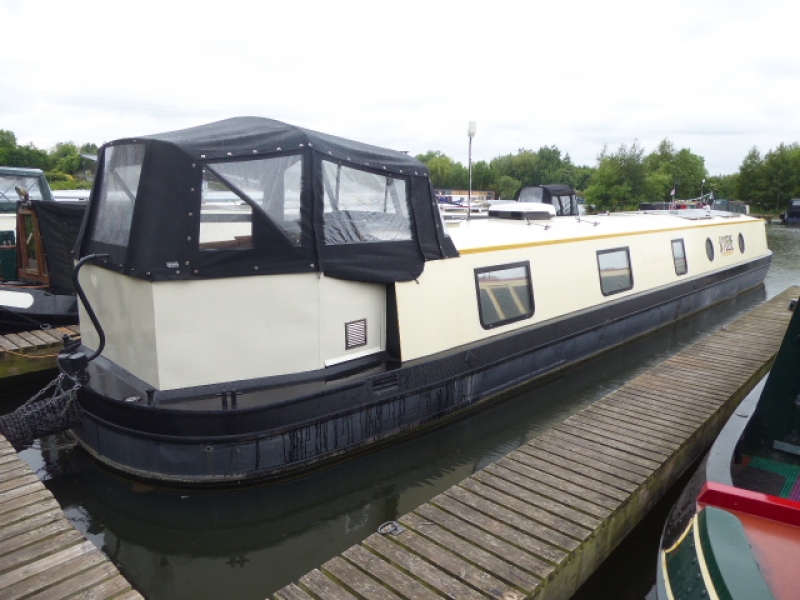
x=561 y=197
x=213 y=210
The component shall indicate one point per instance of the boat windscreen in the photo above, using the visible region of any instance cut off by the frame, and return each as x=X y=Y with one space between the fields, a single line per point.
x=116 y=197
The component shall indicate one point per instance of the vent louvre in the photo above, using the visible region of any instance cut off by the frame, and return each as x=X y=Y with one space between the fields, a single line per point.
x=355 y=334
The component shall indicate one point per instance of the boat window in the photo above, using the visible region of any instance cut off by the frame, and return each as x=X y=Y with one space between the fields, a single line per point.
x=273 y=186
x=741 y=243
x=10 y=183
x=122 y=167
x=363 y=207
x=615 y=271
x=226 y=221
x=679 y=257
x=709 y=249
x=505 y=294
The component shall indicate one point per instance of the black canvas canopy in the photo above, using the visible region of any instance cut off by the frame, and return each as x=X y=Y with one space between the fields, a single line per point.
x=59 y=224
x=560 y=196
x=250 y=196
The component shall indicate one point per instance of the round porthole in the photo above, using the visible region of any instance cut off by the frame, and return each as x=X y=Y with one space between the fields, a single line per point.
x=709 y=249
x=741 y=243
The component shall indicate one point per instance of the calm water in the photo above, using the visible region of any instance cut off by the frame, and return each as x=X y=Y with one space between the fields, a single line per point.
x=247 y=543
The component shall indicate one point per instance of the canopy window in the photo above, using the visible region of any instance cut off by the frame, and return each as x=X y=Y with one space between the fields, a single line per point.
x=360 y=206
x=116 y=197
x=271 y=185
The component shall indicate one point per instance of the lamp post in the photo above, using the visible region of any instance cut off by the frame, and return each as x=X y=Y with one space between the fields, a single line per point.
x=471 y=134
x=702 y=188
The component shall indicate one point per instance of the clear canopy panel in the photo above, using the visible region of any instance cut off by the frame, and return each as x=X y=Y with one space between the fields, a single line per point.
x=116 y=196
x=360 y=206
x=272 y=185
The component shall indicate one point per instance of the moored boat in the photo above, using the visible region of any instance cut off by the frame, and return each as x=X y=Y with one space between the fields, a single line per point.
x=36 y=288
x=792 y=215
x=735 y=531
x=329 y=307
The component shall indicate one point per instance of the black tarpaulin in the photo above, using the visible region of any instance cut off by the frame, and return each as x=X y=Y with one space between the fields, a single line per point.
x=162 y=189
x=59 y=224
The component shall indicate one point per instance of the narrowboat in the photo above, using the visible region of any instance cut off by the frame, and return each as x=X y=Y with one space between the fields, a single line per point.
x=36 y=288
x=735 y=531
x=791 y=216
x=259 y=298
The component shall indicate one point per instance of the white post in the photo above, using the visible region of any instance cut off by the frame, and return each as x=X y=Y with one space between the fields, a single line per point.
x=471 y=134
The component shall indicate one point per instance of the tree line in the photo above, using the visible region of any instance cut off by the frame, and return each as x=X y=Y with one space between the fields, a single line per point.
x=624 y=178
x=65 y=164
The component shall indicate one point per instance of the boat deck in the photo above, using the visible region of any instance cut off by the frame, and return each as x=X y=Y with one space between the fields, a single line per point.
x=539 y=521
x=41 y=554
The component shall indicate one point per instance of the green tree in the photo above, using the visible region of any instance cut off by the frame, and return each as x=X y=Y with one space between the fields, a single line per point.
x=507 y=187
x=620 y=181
x=751 y=184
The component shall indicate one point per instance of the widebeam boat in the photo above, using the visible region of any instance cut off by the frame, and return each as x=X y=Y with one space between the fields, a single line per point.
x=260 y=298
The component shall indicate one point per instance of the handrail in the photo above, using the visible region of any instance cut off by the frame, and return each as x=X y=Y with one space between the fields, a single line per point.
x=89 y=310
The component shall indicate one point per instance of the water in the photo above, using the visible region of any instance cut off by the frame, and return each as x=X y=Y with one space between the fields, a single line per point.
x=249 y=542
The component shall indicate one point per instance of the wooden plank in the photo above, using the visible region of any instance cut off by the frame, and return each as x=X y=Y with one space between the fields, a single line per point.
x=33 y=528
x=364 y=586
x=19 y=342
x=22 y=549
x=622 y=454
x=33 y=509
x=627 y=411
x=37 y=501
x=32 y=339
x=484 y=480
x=573 y=461
x=20 y=481
x=390 y=576
x=496 y=534
x=292 y=592
x=614 y=441
x=56 y=573
x=85 y=583
x=503 y=509
x=554 y=494
x=116 y=587
x=6 y=344
x=657 y=437
x=580 y=475
x=480 y=569
x=420 y=568
x=324 y=586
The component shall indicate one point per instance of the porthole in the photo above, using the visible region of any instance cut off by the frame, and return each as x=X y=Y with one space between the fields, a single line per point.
x=709 y=249
x=741 y=243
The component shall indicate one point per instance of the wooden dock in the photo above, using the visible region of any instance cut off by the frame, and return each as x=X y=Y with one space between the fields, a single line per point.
x=41 y=554
x=539 y=521
x=31 y=351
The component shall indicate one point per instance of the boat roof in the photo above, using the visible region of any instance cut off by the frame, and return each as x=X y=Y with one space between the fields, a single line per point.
x=482 y=235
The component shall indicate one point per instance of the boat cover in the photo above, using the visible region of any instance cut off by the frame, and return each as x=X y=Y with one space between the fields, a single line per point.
x=561 y=197
x=59 y=224
x=316 y=203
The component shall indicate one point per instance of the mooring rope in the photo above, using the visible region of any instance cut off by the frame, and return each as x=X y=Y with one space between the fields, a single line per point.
x=42 y=415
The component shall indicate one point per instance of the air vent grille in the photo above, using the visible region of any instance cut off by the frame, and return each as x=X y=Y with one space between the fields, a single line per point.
x=355 y=334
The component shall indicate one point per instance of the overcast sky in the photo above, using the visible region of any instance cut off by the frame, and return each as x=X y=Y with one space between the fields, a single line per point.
x=717 y=76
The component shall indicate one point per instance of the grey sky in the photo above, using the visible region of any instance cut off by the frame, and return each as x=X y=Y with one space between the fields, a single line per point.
x=718 y=77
